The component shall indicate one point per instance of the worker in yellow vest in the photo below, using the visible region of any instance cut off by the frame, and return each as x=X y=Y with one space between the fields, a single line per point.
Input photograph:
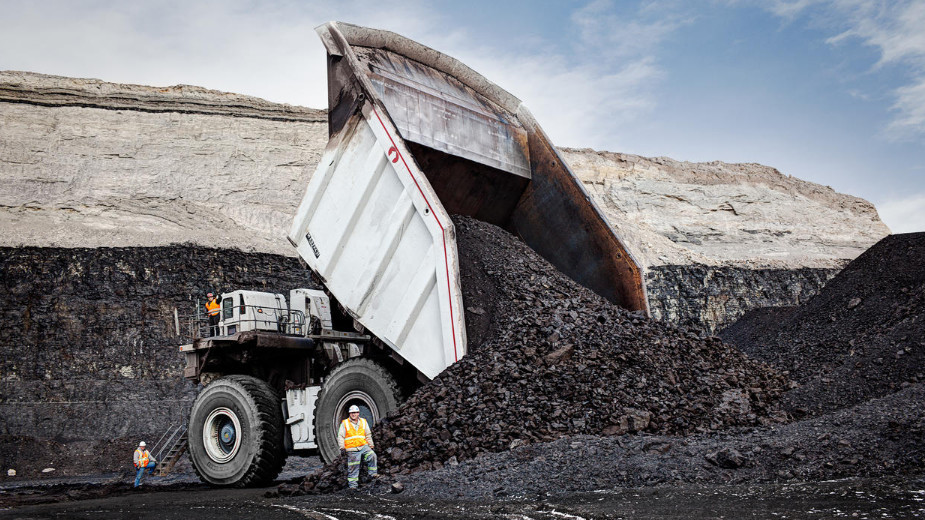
x=143 y=461
x=212 y=308
x=355 y=437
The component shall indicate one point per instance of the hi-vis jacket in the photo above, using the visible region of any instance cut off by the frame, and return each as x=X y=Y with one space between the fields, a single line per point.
x=352 y=437
x=141 y=458
x=212 y=306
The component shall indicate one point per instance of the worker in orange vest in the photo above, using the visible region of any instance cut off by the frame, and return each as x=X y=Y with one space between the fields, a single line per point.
x=212 y=308
x=143 y=460
x=355 y=437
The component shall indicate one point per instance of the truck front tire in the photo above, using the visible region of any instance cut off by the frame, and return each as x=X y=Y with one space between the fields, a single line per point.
x=236 y=433
x=358 y=381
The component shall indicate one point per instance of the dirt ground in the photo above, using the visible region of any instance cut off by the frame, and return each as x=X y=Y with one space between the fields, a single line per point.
x=853 y=498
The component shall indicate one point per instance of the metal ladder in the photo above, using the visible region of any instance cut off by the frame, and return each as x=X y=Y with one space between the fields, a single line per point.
x=169 y=448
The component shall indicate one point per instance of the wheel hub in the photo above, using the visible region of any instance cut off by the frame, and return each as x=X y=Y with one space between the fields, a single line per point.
x=221 y=435
x=366 y=404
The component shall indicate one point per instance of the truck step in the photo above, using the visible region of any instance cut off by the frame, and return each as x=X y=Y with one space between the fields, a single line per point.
x=173 y=445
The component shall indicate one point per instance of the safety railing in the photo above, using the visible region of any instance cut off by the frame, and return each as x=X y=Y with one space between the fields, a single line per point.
x=167 y=440
x=263 y=318
x=169 y=448
x=247 y=317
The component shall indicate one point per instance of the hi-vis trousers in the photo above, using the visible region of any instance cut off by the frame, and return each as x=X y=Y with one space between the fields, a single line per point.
x=353 y=464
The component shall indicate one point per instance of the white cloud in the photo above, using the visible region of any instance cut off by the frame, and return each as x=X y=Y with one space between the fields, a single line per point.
x=789 y=9
x=266 y=49
x=611 y=36
x=897 y=30
x=904 y=215
x=910 y=104
x=590 y=93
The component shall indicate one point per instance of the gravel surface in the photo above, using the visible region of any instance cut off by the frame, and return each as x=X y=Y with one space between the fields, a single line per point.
x=548 y=358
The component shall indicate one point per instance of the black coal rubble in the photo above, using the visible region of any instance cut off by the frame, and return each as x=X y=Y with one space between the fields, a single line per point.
x=882 y=438
x=861 y=337
x=873 y=439
x=548 y=358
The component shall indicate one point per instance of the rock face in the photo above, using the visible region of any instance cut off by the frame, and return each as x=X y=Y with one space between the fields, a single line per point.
x=748 y=215
x=89 y=353
x=87 y=163
x=719 y=239
x=712 y=297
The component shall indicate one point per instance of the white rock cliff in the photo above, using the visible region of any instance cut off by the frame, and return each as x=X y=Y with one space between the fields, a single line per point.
x=86 y=163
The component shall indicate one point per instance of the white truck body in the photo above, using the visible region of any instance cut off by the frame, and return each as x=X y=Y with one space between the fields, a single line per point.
x=372 y=228
x=414 y=136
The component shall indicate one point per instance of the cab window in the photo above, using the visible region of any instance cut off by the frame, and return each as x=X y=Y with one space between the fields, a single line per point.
x=227 y=308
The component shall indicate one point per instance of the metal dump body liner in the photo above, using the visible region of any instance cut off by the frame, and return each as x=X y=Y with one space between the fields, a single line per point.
x=375 y=232
x=437 y=111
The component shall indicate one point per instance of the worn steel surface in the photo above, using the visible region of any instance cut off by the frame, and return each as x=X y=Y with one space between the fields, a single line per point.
x=436 y=110
x=481 y=151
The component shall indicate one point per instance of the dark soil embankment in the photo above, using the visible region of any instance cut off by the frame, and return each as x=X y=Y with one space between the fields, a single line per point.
x=89 y=347
x=882 y=437
x=861 y=337
x=548 y=358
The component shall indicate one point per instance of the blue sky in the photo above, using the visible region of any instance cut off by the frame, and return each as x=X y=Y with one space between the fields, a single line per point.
x=831 y=91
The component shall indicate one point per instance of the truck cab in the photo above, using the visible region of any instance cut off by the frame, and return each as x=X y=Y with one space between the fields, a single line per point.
x=308 y=312
x=243 y=311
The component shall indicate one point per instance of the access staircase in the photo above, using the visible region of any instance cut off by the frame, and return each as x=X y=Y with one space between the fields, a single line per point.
x=169 y=448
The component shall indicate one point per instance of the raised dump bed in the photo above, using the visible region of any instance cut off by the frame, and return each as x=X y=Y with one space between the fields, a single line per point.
x=415 y=136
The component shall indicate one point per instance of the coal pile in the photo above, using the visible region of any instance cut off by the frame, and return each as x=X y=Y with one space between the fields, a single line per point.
x=861 y=337
x=876 y=439
x=548 y=358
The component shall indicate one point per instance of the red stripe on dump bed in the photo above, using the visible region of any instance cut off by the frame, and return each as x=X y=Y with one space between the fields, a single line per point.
x=446 y=260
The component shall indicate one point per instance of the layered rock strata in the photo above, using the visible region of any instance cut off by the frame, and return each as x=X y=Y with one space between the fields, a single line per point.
x=718 y=239
x=86 y=163
x=89 y=352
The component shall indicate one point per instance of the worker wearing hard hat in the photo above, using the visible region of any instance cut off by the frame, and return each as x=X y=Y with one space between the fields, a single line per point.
x=212 y=308
x=355 y=437
x=143 y=461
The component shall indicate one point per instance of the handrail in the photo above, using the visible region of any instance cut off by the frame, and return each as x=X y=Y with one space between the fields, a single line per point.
x=288 y=322
x=175 y=433
x=154 y=448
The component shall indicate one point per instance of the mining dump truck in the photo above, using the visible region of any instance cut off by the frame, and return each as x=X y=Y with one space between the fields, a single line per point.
x=415 y=136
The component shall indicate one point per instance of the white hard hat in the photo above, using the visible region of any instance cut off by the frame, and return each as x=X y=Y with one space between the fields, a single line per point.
x=142 y=444
x=354 y=408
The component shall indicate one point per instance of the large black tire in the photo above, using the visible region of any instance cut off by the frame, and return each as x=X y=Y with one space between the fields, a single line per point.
x=358 y=381
x=236 y=433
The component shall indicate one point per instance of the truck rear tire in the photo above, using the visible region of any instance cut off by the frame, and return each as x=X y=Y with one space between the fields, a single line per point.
x=358 y=381
x=236 y=433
